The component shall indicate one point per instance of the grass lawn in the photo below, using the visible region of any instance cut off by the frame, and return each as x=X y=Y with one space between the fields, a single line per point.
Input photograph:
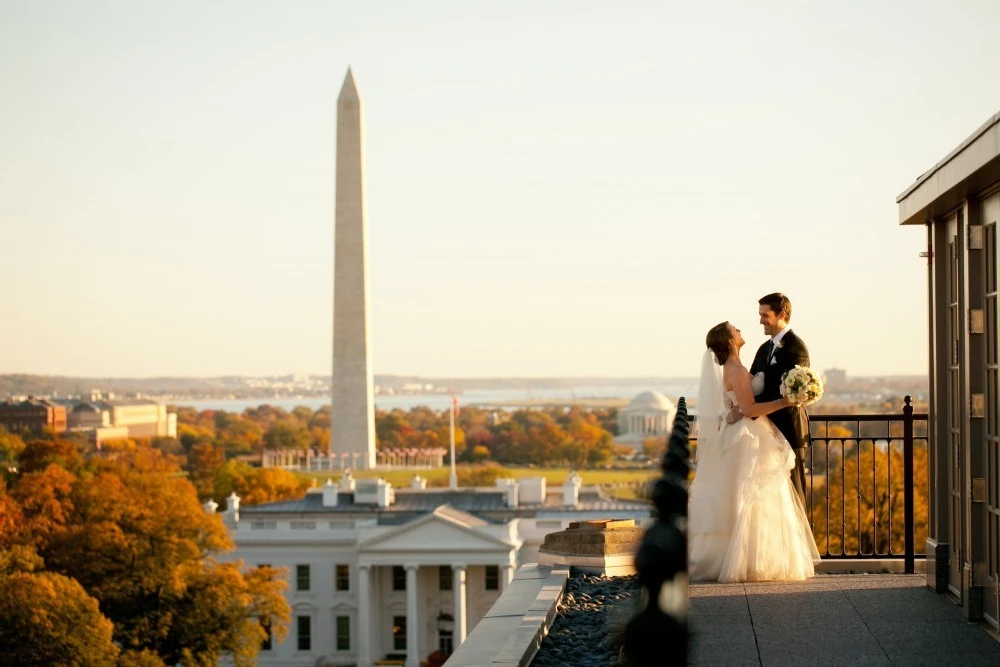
x=556 y=476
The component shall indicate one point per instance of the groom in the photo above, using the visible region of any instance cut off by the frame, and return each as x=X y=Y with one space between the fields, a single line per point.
x=782 y=353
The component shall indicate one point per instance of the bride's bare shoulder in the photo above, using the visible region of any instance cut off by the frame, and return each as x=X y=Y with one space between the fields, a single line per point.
x=732 y=368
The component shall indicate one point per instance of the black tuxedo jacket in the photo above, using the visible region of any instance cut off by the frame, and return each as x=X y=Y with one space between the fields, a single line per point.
x=793 y=422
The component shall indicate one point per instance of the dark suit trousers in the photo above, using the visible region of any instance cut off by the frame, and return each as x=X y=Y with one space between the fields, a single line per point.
x=799 y=475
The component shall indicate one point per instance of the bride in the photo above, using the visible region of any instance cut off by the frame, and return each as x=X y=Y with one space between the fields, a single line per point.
x=745 y=520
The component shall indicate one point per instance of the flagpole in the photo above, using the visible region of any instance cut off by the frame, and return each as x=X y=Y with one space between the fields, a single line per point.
x=453 y=478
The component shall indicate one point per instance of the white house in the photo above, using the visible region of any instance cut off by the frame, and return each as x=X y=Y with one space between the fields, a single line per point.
x=380 y=573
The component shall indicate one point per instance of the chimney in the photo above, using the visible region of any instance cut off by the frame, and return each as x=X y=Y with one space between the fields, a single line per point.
x=347 y=481
x=571 y=490
x=211 y=506
x=509 y=487
x=329 y=494
x=531 y=491
x=232 y=514
x=386 y=494
x=418 y=482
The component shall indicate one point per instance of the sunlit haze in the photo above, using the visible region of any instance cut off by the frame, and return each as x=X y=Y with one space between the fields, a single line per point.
x=570 y=188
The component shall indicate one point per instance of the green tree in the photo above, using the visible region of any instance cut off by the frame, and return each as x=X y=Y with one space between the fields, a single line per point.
x=287 y=436
x=240 y=435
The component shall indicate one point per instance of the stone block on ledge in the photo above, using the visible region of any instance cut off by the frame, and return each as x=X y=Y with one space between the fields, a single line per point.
x=603 y=546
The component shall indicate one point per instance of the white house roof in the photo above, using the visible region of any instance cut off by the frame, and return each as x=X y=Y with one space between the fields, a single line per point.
x=444 y=529
x=650 y=401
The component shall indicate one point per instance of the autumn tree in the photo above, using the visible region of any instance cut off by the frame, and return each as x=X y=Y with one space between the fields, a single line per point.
x=203 y=464
x=653 y=447
x=265 y=416
x=238 y=435
x=150 y=558
x=11 y=445
x=479 y=453
x=40 y=452
x=219 y=614
x=257 y=485
x=48 y=619
x=861 y=498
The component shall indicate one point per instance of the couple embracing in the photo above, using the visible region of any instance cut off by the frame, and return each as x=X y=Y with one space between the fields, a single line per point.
x=746 y=517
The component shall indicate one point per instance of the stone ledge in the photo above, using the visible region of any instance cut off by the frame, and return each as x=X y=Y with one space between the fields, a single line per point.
x=512 y=631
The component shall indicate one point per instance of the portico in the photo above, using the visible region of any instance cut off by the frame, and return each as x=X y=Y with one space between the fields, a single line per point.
x=414 y=582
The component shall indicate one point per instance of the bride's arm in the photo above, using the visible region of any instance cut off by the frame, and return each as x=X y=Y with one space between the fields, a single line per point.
x=739 y=380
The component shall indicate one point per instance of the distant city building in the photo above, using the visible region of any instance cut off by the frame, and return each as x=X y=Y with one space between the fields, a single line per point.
x=121 y=419
x=835 y=377
x=33 y=415
x=378 y=573
x=648 y=415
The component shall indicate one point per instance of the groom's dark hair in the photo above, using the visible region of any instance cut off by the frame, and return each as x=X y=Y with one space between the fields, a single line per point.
x=778 y=303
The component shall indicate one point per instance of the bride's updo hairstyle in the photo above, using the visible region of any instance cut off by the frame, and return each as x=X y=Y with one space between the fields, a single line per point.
x=718 y=340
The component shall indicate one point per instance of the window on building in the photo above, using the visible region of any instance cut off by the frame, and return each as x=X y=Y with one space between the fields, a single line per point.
x=445 y=578
x=343 y=633
x=398 y=578
x=446 y=632
x=343 y=577
x=301 y=577
x=304 y=634
x=492 y=577
x=399 y=633
x=265 y=623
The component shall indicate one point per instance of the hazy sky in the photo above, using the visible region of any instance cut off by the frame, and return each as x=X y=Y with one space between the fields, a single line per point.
x=554 y=188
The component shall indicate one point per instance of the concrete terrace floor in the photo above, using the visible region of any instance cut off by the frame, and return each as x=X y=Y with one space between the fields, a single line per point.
x=834 y=619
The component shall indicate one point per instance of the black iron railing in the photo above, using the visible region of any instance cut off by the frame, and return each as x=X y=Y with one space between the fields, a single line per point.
x=862 y=486
x=864 y=473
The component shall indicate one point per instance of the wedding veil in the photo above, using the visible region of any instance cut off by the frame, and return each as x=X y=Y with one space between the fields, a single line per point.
x=711 y=412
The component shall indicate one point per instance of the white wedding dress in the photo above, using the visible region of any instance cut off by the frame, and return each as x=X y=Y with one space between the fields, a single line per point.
x=745 y=520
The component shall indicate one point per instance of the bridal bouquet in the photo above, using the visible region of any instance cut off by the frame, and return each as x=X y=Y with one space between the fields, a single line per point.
x=801 y=385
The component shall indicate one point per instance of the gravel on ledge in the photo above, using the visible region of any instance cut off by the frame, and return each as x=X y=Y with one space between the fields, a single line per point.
x=588 y=617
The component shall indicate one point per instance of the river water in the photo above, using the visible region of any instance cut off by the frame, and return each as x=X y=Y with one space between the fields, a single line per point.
x=441 y=401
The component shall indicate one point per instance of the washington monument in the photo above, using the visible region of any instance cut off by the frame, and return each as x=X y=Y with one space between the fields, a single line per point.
x=352 y=422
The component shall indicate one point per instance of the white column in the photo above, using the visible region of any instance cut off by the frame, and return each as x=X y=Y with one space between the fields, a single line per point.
x=458 y=585
x=506 y=576
x=412 y=622
x=364 y=617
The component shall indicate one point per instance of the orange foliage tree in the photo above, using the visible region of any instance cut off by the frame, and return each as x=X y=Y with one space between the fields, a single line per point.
x=860 y=497
x=150 y=561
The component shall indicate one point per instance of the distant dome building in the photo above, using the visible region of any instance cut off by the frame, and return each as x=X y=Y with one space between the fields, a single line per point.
x=648 y=415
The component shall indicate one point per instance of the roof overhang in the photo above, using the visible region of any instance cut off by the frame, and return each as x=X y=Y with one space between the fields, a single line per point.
x=972 y=167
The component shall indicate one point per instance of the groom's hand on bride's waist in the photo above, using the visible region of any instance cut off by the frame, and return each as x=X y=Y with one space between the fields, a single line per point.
x=734 y=415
